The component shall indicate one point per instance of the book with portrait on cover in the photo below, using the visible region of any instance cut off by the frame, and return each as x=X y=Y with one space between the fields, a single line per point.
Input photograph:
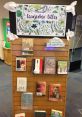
x=56 y=113
x=20 y=64
x=50 y=65
x=62 y=67
x=55 y=92
x=41 y=88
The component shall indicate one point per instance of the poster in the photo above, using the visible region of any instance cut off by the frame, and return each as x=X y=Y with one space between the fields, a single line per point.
x=41 y=20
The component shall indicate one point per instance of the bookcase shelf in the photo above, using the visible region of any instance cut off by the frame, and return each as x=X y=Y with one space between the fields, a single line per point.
x=39 y=102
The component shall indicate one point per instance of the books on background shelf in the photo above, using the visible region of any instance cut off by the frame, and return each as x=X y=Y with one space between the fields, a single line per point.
x=20 y=115
x=21 y=84
x=41 y=88
x=55 y=92
x=39 y=113
x=62 y=67
x=27 y=47
x=56 y=113
x=27 y=101
x=50 y=65
x=20 y=64
x=37 y=66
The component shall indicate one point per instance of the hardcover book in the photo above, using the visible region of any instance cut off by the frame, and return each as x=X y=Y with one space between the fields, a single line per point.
x=20 y=115
x=20 y=64
x=55 y=92
x=39 y=113
x=50 y=65
x=62 y=67
x=37 y=66
x=27 y=101
x=27 y=46
x=21 y=84
x=41 y=88
x=56 y=113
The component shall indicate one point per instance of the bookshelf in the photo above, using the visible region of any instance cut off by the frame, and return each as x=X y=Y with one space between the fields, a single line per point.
x=39 y=102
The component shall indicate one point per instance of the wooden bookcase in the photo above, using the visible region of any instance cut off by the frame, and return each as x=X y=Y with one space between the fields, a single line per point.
x=43 y=102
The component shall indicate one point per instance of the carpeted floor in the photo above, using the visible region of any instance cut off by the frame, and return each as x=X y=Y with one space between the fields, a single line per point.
x=5 y=90
x=74 y=93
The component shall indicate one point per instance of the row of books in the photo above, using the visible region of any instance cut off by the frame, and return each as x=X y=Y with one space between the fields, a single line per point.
x=46 y=66
x=43 y=113
x=55 y=90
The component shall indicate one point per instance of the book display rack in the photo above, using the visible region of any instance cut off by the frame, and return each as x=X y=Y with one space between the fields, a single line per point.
x=44 y=74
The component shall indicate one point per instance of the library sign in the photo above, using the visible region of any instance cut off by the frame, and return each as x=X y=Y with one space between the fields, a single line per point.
x=41 y=20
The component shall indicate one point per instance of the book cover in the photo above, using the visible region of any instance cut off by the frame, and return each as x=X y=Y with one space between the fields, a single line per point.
x=20 y=64
x=39 y=113
x=20 y=115
x=62 y=67
x=55 y=92
x=37 y=66
x=27 y=46
x=50 y=65
x=27 y=101
x=56 y=113
x=41 y=88
x=21 y=84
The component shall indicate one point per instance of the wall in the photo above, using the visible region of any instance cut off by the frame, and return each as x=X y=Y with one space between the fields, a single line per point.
x=4 y=12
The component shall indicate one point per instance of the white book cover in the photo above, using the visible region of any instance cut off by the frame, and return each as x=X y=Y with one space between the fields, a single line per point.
x=21 y=84
x=20 y=115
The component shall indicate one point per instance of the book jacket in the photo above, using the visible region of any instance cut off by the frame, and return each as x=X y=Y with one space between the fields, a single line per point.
x=55 y=92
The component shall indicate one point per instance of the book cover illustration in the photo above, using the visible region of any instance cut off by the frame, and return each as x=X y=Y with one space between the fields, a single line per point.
x=39 y=113
x=37 y=66
x=20 y=64
x=27 y=101
x=56 y=113
x=27 y=46
x=55 y=92
x=21 y=84
x=41 y=88
x=20 y=115
x=50 y=65
x=62 y=67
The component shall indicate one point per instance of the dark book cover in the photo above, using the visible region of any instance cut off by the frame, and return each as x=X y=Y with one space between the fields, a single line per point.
x=62 y=67
x=56 y=113
x=55 y=92
x=27 y=101
x=50 y=65
x=39 y=113
x=20 y=64
x=41 y=88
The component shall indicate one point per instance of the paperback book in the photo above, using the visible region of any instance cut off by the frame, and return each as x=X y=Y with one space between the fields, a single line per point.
x=27 y=101
x=41 y=88
x=27 y=46
x=50 y=65
x=62 y=67
x=20 y=64
x=37 y=66
x=21 y=84
x=20 y=115
x=39 y=113
x=56 y=113
x=55 y=92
